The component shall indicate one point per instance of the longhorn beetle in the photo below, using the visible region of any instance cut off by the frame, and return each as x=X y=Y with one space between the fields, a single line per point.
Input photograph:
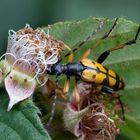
x=91 y=71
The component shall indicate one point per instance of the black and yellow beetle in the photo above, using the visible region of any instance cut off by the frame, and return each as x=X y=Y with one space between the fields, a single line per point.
x=91 y=71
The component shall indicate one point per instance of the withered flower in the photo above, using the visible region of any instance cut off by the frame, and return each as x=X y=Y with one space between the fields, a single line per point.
x=92 y=122
x=30 y=53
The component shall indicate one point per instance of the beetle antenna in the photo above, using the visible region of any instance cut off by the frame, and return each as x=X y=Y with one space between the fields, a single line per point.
x=84 y=41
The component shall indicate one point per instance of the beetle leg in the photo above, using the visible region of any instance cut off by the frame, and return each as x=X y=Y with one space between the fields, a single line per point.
x=70 y=54
x=71 y=57
x=105 y=54
x=116 y=95
x=54 y=103
x=66 y=87
x=76 y=95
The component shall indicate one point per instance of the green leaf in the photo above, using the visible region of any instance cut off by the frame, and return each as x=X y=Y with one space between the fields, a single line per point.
x=133 y=128
x=21 y=123
x=125 y=62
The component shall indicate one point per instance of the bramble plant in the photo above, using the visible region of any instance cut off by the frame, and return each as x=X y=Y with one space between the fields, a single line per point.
x=30 y=53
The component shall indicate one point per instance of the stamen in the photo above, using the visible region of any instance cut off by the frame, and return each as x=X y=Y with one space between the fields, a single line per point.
x=41 y=84
x=11 y=32
x=34 y=76
x=54 y=57
x=27 y=26
x=102 y=114
x=7 y=54
x=21 y=59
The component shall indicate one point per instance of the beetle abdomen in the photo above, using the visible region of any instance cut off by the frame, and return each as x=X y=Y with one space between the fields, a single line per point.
x=96 y=73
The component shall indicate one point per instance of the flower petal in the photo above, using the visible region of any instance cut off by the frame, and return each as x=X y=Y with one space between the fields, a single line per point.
x=72 y=119
x=18 y=87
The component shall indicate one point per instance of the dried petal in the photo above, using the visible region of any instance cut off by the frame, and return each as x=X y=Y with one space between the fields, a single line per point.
x=72 y=119
x=92 y=122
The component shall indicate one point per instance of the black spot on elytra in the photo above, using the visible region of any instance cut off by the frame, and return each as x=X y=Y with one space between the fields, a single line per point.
x=93 y=76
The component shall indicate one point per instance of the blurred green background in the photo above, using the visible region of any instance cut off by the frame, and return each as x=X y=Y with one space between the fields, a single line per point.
x=14 y=14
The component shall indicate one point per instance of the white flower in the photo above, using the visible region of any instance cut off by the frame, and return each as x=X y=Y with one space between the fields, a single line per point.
x=30 y=54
